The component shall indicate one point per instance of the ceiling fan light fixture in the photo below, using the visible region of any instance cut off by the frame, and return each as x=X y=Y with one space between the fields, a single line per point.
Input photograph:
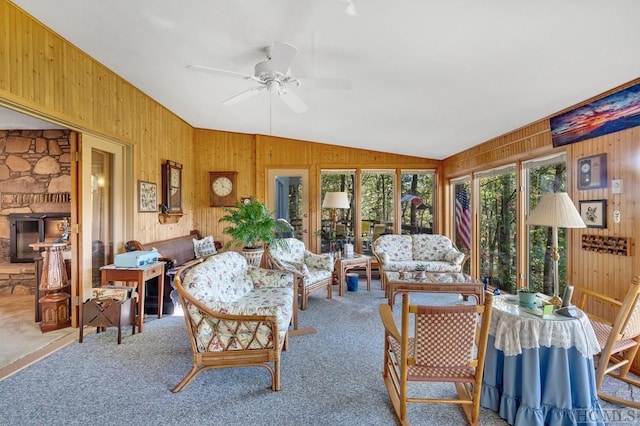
x=273 y=86
x=273 y=75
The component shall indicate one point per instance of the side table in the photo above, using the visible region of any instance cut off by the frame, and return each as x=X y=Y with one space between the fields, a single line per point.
x=139 y=275
x=345 y=264
x=55 y=304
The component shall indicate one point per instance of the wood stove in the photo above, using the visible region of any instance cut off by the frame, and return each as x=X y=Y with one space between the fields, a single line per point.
x=31 y=228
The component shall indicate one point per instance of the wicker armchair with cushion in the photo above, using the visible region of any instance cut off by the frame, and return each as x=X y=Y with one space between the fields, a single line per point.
x=237 y=315
x=314 y=272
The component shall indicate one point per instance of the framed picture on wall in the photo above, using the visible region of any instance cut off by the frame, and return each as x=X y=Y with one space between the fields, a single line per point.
x=592 y=172
x=594 y=213
x=147 y=197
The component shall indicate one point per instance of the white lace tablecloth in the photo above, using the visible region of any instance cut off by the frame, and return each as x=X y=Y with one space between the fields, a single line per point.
x=515 y=329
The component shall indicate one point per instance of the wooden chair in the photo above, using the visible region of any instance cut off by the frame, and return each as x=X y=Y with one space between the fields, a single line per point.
x=378 y=229
x=448 y=345
x=366 y=234
x=619 y=339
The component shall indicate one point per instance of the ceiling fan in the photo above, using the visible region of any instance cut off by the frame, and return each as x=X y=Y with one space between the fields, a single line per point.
x=273 y=75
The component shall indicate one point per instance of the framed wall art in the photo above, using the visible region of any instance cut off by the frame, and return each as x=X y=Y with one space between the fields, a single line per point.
x=594 y=213
x=592 y=172
x=147 y=197
x=613 y=113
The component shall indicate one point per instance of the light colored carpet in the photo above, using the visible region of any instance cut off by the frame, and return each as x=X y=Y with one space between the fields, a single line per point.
x=20 y=335
x=332 y=377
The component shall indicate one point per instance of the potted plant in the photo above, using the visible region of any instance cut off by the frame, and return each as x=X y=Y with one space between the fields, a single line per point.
x=527 y=296
x=420 y=270
x=251 y=226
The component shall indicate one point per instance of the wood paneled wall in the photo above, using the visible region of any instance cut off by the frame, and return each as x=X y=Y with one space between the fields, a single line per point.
x=253 y=155
x=220 y=151
x=43 y=74
x=605 y=273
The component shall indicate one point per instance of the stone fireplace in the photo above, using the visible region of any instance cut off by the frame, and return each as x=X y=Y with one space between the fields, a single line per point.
x=35 y=181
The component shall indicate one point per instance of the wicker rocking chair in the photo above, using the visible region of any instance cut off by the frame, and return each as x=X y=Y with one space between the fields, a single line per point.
x=619 y=339
x=449 y=345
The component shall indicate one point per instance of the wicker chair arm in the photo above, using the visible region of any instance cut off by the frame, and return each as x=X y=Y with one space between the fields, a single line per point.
x=277 y=264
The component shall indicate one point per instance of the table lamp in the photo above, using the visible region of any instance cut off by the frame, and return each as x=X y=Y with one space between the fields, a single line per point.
x=335 y=200
x=556 y=210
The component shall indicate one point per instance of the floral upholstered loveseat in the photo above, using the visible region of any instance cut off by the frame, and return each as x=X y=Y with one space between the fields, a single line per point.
x=236 y=314
x=404 y=252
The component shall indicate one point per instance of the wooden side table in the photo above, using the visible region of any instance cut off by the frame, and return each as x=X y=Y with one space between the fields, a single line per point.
x=55 y=304
x=139 y=275
x=345 y=264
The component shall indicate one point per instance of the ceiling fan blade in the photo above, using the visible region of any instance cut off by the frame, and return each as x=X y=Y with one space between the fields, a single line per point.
x=221 y=72
x=281 y=57
x=244 y=95
x=292 y=100
x=324 y=83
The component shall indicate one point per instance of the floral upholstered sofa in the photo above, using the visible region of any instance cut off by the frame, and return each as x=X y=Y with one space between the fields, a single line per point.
x=236 y=314
x=404 y=252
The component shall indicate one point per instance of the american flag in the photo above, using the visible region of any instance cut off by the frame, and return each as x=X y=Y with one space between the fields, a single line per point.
x=463 y=218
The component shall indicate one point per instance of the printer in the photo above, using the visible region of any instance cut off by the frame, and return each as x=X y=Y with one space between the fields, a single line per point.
x=135 y=259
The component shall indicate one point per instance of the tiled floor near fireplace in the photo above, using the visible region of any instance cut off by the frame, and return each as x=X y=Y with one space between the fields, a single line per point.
x=22 y=341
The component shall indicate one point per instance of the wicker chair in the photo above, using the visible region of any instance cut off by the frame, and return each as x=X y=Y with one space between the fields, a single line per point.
x=441 y=350
x=314 y=272
x=619 y=339
x=236 y=315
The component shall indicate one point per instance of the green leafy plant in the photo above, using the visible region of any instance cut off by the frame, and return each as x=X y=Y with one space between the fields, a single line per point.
x=527 y=290
x=251 y=225
x=421 y=267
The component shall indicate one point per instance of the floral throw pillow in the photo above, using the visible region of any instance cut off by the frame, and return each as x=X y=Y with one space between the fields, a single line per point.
x=204 y=247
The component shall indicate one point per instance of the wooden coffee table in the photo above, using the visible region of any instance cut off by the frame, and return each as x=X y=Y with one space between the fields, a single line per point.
x=434 y=282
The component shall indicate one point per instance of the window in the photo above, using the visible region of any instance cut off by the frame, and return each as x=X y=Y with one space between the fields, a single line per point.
x=337 y=181
x=462 y=219
x=497 y=227
x=377 y=204
x=416 y=201
x=542 y=176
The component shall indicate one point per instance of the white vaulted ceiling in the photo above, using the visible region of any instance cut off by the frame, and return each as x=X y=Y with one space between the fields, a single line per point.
x=428 y=78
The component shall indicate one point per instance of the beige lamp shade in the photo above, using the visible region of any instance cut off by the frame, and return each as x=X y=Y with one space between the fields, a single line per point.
x=335 y=200
x=556 y=209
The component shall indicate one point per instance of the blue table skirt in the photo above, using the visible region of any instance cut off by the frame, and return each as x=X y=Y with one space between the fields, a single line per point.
x=543 y=386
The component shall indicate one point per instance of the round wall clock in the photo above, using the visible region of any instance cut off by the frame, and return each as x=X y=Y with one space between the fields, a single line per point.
x=222 y=189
